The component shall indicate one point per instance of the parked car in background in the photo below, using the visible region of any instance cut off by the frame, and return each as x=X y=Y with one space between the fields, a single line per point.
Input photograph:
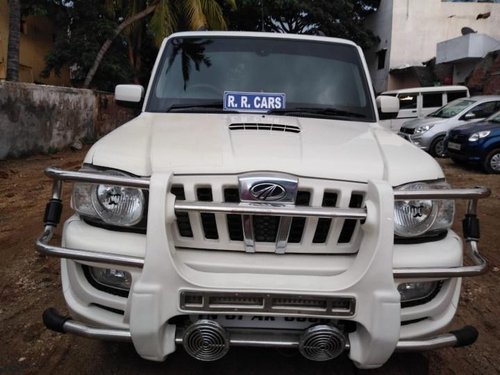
x=478 y=142
x=417 y=102
x=429 y=133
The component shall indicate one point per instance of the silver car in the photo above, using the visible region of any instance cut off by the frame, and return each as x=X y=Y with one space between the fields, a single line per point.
x=429 y=133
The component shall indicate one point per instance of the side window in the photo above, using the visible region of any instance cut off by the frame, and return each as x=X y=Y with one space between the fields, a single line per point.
x=452 y=95
x=484 y=109
x=434 y=99
x=408 y=101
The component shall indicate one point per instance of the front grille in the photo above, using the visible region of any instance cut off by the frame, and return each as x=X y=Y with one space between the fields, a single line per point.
x=306 y=235
x=458 y=138
x=267 y=303
x=407 y=130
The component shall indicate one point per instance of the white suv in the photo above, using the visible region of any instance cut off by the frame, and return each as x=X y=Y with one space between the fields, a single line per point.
x=256 y=201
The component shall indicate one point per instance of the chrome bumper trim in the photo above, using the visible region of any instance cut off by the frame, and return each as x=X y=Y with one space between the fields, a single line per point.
x=271 y=338
x=271 y=210
x=441 y=341
x=480 y=266
x=42 y=244
x=77 y=176
x=90 y=256
x=80 y=329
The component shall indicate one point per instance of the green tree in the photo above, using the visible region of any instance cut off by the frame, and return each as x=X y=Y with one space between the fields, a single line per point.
x=340 y=18
x=167 y=16
x=84 y=26
x=115 y=41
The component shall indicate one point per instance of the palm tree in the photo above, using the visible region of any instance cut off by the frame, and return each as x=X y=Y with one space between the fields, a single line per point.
x=14 y=37
x=167 y=16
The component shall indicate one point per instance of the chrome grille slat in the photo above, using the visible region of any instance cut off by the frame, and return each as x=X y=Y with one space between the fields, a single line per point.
x=343 y=200
x=229 y=212
x=248 y=233
x=194 y=217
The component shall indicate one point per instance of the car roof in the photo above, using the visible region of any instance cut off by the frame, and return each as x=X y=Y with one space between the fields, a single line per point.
x=426 y=89
x=250 y=34
x=484 y=98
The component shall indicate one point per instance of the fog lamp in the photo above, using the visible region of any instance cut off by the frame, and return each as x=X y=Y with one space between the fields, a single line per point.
x=112 y=278
x=417 y=290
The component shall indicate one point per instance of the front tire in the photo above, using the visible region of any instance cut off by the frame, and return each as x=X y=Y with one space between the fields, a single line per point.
x=437 y=147
x=491 y=163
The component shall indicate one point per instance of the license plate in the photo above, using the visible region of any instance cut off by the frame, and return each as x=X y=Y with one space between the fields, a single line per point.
x=274 y=322
x=454 y=146
x=253 y=101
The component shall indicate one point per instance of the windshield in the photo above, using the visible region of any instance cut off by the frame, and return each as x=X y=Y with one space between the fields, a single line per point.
x=453 y=108
x=495 y=118
x=292 y=77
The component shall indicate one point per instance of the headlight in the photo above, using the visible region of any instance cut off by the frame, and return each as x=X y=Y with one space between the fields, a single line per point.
x=423 y=129
x=115 y=205
x=414 y=217
x=477 y=136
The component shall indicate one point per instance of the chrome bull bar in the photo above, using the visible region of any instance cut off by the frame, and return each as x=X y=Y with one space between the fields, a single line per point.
x=54 y=208
x=253 y=337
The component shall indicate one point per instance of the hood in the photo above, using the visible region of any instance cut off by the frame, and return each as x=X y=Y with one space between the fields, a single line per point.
x=477 y=126
x=237 y=143
x=413 y=124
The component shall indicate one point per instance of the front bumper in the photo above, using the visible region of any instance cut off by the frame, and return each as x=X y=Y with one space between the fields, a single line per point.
x=154 y=298
x=421 y=142
x=468 y=152
x=59 y=323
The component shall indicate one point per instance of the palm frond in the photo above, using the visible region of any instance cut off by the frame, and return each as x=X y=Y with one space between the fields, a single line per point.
x=163 y=22
x=213 y=13
x=195 y=17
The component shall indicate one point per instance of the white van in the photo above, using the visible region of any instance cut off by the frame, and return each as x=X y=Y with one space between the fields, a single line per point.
x=420 y=101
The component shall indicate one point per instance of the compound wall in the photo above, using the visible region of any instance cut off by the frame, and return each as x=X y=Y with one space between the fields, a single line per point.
x=40 y=119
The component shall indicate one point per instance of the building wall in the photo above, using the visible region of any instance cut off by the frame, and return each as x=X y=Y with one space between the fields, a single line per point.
x=37 y=39
x=40 y=118
x=418 y=25
x=381 y=24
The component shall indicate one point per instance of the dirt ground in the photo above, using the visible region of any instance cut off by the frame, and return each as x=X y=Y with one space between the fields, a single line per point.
x=29 y=283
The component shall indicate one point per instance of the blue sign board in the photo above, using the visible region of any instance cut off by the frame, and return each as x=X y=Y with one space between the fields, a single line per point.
x=253 y=101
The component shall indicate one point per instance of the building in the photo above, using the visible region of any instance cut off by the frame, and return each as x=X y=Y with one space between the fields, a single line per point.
x=415 y=32
x=37 y=38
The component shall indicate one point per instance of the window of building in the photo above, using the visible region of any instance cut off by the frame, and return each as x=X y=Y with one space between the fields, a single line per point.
x=381 y=58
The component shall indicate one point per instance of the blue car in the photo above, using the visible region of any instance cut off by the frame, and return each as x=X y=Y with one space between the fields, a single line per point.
x=477 y=142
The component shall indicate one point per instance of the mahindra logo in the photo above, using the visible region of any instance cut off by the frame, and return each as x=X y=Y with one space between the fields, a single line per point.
x=267 y=191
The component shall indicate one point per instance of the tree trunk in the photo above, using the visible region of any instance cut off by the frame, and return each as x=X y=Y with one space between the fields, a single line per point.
x=107 y=43
x=14 y=37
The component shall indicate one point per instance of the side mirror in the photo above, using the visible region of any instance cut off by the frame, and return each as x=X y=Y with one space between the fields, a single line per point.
x=388 y=107
x=469 y=116
x=129 y=93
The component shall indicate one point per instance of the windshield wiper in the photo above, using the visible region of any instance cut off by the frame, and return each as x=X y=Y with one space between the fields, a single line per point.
x=327 y=112
x=213 y=107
